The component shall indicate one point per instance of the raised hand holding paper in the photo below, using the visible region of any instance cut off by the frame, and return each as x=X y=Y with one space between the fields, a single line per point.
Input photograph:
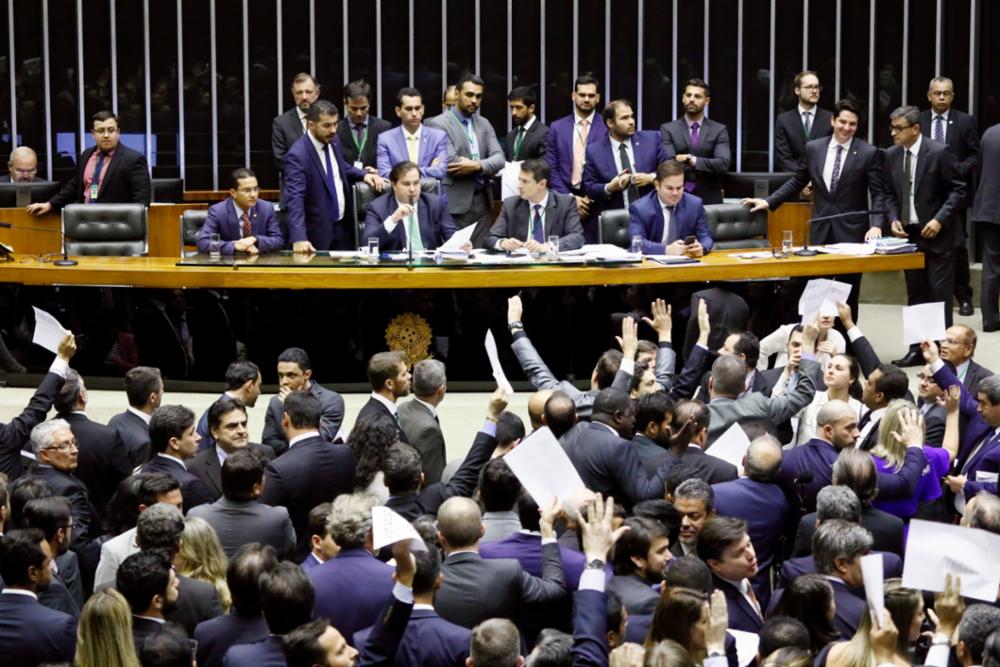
x=491 y=352
x=971 y=554
x=544 y=470
x=48 y=332
x=821 y=296
x=922 y=322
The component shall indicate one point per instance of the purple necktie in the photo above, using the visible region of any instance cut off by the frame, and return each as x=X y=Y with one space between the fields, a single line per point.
x=694 y=136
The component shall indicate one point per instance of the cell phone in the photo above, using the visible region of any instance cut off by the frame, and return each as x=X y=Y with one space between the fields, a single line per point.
x=690 y=239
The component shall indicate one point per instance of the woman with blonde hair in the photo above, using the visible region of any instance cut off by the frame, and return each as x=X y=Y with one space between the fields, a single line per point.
x=104 y=634
x=201 y=557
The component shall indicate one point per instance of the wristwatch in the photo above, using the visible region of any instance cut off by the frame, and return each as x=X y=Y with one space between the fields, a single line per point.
x=517 y=324
x=595 y=564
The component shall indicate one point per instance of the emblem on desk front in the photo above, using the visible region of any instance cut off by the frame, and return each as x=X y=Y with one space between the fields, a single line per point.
x=410 y=334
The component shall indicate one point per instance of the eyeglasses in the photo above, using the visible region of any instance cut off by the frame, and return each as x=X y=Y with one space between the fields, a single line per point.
x=25 y=172
x=814 y=87
x=69 y=444
x=893 y=129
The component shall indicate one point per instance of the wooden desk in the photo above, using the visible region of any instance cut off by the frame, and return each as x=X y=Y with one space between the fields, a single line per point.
x=791 y=216
x=162 y=272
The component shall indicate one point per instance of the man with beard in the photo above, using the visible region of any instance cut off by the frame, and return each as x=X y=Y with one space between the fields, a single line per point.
x=527 y=140
x=390 y=381
x=801 y=124
x=699 y=143
x=295 y=374
x=289 y=126
x=148 y=583
x=568 y=138
x=640 y=558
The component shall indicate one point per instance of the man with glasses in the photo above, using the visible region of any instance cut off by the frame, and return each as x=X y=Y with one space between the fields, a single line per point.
x=802 y=124
x=108 y=173
x=23 y=167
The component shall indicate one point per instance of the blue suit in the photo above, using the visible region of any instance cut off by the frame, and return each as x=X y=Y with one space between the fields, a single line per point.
x=216 y=635
x=742 y=616
x=264 y=653
x=646 y=220
x=309 y=563
x=222 y=220
x=194 y=491
x=429 y=641
x=351 y=589
x=527 y=549
x=559 y=148
x=850 y=607
x=892 y=566
x=436 y=225
x=392 y=150
x=312 y=210
x=31 y=634
x=207 y=441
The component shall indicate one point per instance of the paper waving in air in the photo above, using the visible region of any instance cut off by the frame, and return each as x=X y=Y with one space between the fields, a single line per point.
x=731 y=446
x=544 y=470
x=872 y=573
x=821 y=296
x=922 y=322
x=498 y=374
x=970 y=554
x=48 y=332
x=389 y=528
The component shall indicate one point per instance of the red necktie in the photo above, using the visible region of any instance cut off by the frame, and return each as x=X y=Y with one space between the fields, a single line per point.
x=245 y=224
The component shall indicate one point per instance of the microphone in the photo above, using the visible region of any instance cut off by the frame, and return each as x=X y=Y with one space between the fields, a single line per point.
x=409 y=245
x=806 y=251
x=65 y=261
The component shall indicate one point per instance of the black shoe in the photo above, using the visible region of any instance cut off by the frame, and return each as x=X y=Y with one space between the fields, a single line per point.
x=995 y=326
x=912 y=358
x=965 y=308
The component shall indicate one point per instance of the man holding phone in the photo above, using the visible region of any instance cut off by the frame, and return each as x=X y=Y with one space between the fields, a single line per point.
x=670 y=220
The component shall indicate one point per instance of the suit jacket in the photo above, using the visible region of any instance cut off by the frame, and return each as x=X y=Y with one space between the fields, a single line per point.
x=86 y=523
x=850 y=608
x=216 y=635
x=222 y=220
x=975 y=374
x=460 y=189
x=709 y=468
x=285 y=131
x=429 y=641
x=239 y=522
x=113 y=553
x=193 y=489
x=713 y=155
x=207 y=441
x=790 y=136
x=892 y=566
x=134 y=435
x=205 y=465
x=386 y=635
x=646 y=220
x=312 y=213
x=58 y=597
x=934 y=424
x=14 y=434
x=351 y=589
x=126 y=180
x=742 y=615
x=197 y=601
x=329 y=425
x=561 y=219
x=559 y=148
x=423 y=431
x=433 y=219
x=345 y=132
x=938 y=194
x=987 y=203
x=432 y=156
x=372 y=409
x=475 y=589
x=141 y=629
x=526 y=548
x=860 y=176
x=533 y=145
x=103 y=460
x=637 y=594
x=31 y=634
x=312 y=472
x=266 y=652
x=962 y=138
x=887 y=532
x=651 y=454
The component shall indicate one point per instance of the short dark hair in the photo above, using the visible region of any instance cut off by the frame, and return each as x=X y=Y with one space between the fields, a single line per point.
x=235 y=177
x=538 y=168
x=287 y=597
x=607 y=367
x=321 y=108
x=407 y=92
x=855 y=469
x=780 y=632
x=718 y=534
x=663 y=511
x=140 y=382
x=428 y=569
x=613 y=610
x=527 y=512
x=697 y=83
x=669 y=168
x=356 y=89
x=65 y=400
x=498 y=486
x=319 y=518
x=20 y=549
x=301 y=645
x=242 y=576
x=652 y=408
x=401 y=468
x=295 y=355
x=524 y=93
x=893 y=382
x=748 y=345
x=401 y=169
x=636 y=541
x=153 y=485
x=48 y=515
x=239 y=373
x=978 y=622
x=240 y=471
x=303 y=409
x=609 y=401
x=168 y=421
x=688 y=572
x=585 y=79
x=167 y=647
x=102 y=116
x=142 y=576
x=697 y=489
x=160 y=527
x=553 y=648
x=846 y=104
x=611 y=109
x=382 y=367
x=469 y=77
x=510 y=427
x=222 y=407
x=22 y=492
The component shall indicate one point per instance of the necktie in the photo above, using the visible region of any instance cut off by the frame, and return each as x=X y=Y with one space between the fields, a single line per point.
x=518 y=142
x=988 y=439
x=245 y=224
x=807 y=123
x=753 y=599
x=579 y=149
x=537 y=228
x=689 y=184
x=359 y=136
x=694 y=136
x=668 y=214
x=95 y=179
x=835 y=176
x=631 y=192
x=864 y=420
x=332 y=183
x=939 y=129
x=413 y=148
x=413 y=234
x=904 y=206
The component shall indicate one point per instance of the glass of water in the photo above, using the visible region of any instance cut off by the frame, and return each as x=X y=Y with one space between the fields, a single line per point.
x=214 y=246
x=553 y=247
x=373 y=250
x=786 y=241
x=636 y=247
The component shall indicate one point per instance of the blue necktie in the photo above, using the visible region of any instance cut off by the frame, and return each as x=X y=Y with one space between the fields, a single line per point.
x=537 y=229
x=331 y=182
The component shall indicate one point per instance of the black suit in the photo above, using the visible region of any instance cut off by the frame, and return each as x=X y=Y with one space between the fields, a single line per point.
x=533 y=144
x=286 y=128
x=103 y=460
x=207 y=468
x=194 y=491
x=133 y=431
x=349 y=146
x=215 y=636
x=374 y=408
x=986 y=213
x=31 y=634
x=713 y=155
x=86 y=525
x=141 y=629
x=197 y=602
x=14 y=435
x=790 y=136
x=886 y=530
x=560 y=218
x=709 y=468
x=126 y=180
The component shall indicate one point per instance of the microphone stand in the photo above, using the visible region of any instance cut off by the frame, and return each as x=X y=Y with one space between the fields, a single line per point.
x=65 y=261
x=409 y=241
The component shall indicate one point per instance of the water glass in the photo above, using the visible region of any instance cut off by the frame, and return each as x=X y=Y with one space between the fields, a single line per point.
x=214 y=246
x=636 y=248
x=786 y=241
x=373 y=250
x=554 y=248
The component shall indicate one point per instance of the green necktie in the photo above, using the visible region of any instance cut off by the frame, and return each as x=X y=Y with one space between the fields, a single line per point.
x=904 y=206
x=518 y=143
x=413 y=232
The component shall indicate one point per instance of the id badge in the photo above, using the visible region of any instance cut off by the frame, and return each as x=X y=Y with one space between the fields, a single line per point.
x=93 y=192
x=359 y=165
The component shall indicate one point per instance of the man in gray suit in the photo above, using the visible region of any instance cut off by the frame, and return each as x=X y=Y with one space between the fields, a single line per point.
x=295 y=374
x=418 y=418
x=291 y=125
x=474 y=157
x=238 y=517
x=700 y=143
x=227 y=422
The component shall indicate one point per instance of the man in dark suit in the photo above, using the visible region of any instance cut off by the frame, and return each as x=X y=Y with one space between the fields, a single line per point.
x=666 y=217
x=699 y=143
x=53 y=517
x=528 y=220
x=935 y=415
x=108 y=173
x=640 y=559
x=924 y=194
x=986 y=216
x=144 y=389
x=295 y=374
x=883 y=384
x=794 y=128
x=692 y=450
x=527 y=140
x=30 y=633
x=725 y=546
x=568 y=139
x=412 y=141
x=174 y=441
x=653 y=415
x=842 y=501
x=244 y=223
x=312 y=471
x=360 y=130
x=148 y=583
x=621 y=167
x=957 y=350
x=102 y=460
x=839 y=546
x=22 y=167
x=317 y=184
x=244 y=623
x=390 y=381
x=227 y=422
x=418 y=417
x=956 y=130
x=404 y=217
x=243 y=383
x=289 y=126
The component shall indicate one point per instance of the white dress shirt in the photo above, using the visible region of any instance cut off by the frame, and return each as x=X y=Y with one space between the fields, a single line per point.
x=338 y=181
x=831 y=157
x=914 y=151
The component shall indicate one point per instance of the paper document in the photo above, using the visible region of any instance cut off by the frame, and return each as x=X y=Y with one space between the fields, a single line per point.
x=923 y=322
x=48 y=332
x=498 y=374
x=873 y=574
x=821 y=296
x=544 y=470
x=731 y=446
x=747 y=645
x=389 y=528
x=857 y=249
x=509 y=175
x=459 y=238
x=970 y=554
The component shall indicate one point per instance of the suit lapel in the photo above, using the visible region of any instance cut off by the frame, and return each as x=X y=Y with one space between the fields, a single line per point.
x=819 y=164
x=550 y=214
x=922 y=158
x=422 y=148
x=318 y=164
x=115 y=159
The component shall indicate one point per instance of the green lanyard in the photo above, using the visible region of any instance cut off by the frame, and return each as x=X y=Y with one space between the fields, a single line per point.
x=364 y=140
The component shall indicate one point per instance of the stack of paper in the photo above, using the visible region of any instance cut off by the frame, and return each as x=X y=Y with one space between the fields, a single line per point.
x=890 y=245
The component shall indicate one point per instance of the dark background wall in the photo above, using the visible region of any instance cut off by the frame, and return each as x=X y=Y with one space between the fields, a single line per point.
x=196 y=83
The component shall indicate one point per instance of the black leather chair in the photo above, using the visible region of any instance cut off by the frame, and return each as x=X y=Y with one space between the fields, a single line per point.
x=612 y=227
x=105 y=229
x=734 y=226
x=363 y=195
x=737 y=185
x=191 y=223
x=168 y=190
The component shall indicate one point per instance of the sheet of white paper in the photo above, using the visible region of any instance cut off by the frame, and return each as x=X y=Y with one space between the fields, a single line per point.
x=508 y=179
x=819 y=291
x=848 y=249
x=747 y=644
x=458 y=238
x=498 y=374
x=48 y=332
x=872 y=573
x=544 y=470
x=731 y=446
x=923 y=322
x=389 y=528
x=971 y=554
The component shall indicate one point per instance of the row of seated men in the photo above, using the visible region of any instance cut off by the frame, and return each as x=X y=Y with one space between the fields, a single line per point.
x=181 y=515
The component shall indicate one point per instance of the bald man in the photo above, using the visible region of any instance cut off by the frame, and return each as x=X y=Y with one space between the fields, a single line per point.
x=957 y=349
x=23 y=167
x=536 y=407
x=475 y=589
